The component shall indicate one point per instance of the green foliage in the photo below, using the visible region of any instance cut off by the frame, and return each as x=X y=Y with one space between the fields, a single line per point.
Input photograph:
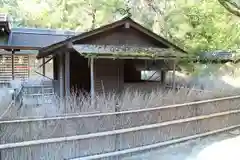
x=195 y=25
x=65 y=14
x=204 y=26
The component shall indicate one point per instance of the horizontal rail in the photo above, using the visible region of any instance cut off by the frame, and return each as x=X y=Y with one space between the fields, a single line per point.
x=57 y=115
x=156 y=145
x=192 y=104
x=109 y=133
x=43 y=75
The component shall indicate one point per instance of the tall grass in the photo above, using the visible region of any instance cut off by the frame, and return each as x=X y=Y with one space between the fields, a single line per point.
x=127 y=100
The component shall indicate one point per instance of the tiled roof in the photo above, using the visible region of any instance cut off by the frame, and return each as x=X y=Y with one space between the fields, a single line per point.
x=32 y=37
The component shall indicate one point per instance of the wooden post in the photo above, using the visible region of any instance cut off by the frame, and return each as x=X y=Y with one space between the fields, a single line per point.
x=173 y=76
x=13 y=76
x=92 y=78
x=173 y=79
x=67 y=74
x=163 y=76
x=56 y=74
x=61 y=75
x=44 y=69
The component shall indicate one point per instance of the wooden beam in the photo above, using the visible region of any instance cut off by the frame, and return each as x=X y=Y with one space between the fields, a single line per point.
x=129 y=50
x=46 y=62
x=9 y=48
x=132 y=57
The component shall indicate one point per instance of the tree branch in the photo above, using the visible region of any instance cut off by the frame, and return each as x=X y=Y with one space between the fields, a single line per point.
x=232 y=7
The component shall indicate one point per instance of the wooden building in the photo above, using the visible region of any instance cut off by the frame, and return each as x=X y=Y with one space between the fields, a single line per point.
x=110 y=58
x=19 y=48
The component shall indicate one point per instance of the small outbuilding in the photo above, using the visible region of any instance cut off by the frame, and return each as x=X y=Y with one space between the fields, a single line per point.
x=111 y=58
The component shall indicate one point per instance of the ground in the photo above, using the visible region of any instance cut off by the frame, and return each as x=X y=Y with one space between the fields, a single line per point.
x=224 y=146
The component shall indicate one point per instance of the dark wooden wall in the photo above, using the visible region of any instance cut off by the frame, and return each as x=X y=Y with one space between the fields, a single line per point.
x=79 y=72
x=130 y=72
x=122 y=36
x=108 y=75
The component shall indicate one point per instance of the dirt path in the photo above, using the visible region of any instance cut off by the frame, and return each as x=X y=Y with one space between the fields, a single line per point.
x=224 y=146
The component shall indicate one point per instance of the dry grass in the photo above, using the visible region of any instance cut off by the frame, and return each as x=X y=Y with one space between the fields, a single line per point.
x=128 y=100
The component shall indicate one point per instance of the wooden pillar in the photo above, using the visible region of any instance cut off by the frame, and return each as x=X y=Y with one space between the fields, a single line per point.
x=13 y=74
x=173 y=80
x=163 y=76
x=118 y=78
x=55 y=74
x=67 y=74
x=55 y=67
x=174 y=76
x=44 y=69
x=92 y=78
x=61 y=75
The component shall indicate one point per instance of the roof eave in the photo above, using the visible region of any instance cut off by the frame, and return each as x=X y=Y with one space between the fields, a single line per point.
x=8 y=47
